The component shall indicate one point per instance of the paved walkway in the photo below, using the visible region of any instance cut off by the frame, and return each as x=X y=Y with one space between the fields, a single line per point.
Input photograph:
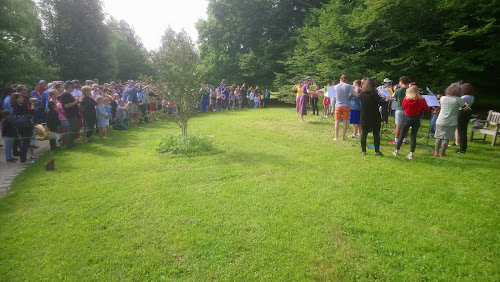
x=9 y=171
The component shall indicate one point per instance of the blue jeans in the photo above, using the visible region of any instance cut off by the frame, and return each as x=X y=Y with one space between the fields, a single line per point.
x=121 y=124
x=9 y=142
x=39 y=116
x=433 y=124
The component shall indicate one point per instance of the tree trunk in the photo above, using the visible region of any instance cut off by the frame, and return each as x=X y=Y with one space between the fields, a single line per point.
x=184 y=129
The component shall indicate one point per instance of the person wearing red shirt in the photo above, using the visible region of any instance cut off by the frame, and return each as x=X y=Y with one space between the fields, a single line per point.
x=413 y=104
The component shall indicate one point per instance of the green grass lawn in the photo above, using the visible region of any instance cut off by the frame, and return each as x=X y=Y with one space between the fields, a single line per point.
x=277 y=200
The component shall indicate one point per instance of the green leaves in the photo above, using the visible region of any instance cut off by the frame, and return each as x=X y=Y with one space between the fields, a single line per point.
x=178 y=75
x=432 y=42
x=244 y=41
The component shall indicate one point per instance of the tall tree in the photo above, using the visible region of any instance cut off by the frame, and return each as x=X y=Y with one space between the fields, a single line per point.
x=433 y=42
x=21 y=59
x=78 y=39
x=245 y=40
x=131 y=56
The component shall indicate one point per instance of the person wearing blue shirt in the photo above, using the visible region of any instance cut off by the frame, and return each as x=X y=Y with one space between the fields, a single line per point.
x=355 y=113
x=224 y=91
x=267 y=95
x=130 y=95
x=40 y=109
x=6 y=103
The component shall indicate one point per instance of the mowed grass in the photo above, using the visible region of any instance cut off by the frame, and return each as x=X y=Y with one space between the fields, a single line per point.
x=276 y=200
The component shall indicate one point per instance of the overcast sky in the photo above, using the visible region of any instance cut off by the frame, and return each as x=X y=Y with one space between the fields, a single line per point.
x=150 y=18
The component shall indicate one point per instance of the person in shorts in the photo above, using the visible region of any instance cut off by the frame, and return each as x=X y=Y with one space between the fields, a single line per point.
x=131 y=96
x=342 y=106
x=399 y=115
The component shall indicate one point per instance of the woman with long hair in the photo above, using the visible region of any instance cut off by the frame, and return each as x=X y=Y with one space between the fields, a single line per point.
x=370 y=115
x=413 y=104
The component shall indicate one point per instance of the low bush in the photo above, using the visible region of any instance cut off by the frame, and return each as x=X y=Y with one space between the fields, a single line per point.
x=192 y=144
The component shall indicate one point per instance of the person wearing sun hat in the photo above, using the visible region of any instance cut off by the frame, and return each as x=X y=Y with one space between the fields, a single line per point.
x=387 y=84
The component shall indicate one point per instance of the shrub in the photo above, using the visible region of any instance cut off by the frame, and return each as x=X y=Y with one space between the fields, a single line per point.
x=193 y=144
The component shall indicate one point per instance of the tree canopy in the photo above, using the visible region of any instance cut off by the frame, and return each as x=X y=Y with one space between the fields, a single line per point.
x=67 y=39
x=177 y=66
x=273 y=42
x=244 y=41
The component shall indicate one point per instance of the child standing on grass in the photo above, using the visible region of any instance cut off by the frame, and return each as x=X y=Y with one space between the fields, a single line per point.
x=355 y=111
x=218 y=106
x=231 y=100
x=102 y=117
x=256 y=100
x=447 y=120
x=53 y=122
x=8 y=133
x=62 y=120
x=326 y=104
x=107 y=108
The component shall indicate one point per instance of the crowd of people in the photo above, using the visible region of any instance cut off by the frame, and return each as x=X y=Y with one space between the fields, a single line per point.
x=366 y=107
x=229 y=98
x=66 y=109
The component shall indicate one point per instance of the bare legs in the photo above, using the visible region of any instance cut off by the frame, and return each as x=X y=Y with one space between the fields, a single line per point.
x=345 y=124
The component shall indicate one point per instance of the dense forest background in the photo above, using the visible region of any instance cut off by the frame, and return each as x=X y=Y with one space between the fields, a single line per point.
x=272 y=43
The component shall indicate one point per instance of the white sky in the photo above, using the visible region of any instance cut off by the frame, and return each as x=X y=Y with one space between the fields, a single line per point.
x=150 y=18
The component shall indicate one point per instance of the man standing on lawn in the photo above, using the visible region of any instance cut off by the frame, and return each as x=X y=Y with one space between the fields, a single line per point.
x=342 y=106
x=71 y=111
x=131 y=96
x=399 y=117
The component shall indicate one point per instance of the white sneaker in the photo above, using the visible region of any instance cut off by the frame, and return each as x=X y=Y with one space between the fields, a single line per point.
x=395 y=153
x=410 y=157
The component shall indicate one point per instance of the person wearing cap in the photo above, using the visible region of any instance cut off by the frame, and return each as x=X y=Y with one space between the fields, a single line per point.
x=304 y=99
x=387 y=84
x=71 y=112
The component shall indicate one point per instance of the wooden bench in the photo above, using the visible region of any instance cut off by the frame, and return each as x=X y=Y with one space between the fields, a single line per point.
x=493 y=119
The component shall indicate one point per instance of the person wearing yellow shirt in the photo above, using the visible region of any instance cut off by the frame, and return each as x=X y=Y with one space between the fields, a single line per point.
x=298 y=89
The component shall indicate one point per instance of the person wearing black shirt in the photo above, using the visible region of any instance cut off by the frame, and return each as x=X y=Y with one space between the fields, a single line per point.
x=22 y=118
x=87 y=107
x=71 y=111
x=370 y=115
x=53 y=122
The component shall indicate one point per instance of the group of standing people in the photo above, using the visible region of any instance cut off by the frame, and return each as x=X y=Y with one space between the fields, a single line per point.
x=66 y=108
x=230 y=98
x=363 y=105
